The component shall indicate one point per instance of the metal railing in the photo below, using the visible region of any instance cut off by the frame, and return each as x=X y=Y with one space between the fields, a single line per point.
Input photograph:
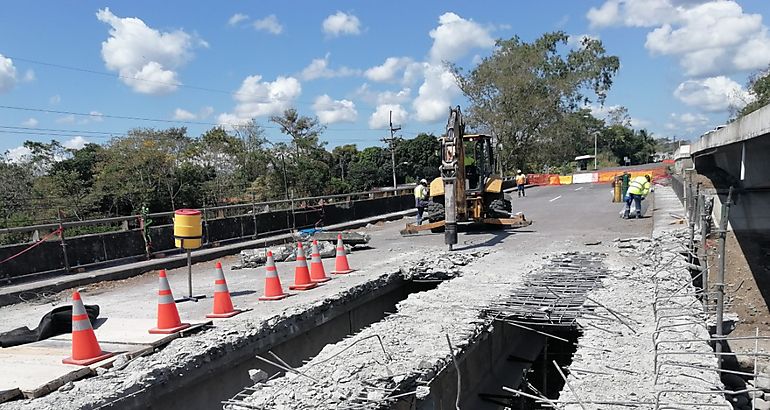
x=221 y=224
x=286 y=204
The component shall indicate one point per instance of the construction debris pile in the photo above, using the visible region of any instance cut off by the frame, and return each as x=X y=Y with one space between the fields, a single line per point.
x=384 y=362
x=649 y=305
x=254 y=258
x=443 y=266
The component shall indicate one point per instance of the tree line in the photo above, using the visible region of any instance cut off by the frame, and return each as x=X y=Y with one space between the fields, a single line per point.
x=531 y=96
x=167 y=169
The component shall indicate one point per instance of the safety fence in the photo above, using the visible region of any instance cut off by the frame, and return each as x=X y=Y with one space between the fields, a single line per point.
x=49 y=250
x=657 y=171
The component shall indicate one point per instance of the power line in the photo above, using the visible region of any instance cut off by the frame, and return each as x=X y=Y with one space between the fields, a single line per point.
x=133 y=118
x=124 y=77
x=58 y=130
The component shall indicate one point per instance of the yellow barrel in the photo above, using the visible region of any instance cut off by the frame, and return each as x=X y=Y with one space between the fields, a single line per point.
x=616 y=186
x=188 y=230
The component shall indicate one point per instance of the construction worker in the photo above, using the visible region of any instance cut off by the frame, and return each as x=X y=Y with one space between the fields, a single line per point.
x=521 y=179
x=638 y=189
x=421 y=198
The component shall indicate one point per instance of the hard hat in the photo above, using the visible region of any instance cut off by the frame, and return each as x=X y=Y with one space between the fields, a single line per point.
x=423 y=181
x=519 y=171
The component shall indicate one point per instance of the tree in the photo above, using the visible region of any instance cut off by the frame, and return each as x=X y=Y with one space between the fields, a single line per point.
x=304 y=131
x=342 y=156
x=70 y=182
x=417 y=158
x=143 y=168
x=15 y=187
x=372 y=169
x=524 y=90
x=638 y=146
x=307 y=167
x=759 y=92
x=619 y=116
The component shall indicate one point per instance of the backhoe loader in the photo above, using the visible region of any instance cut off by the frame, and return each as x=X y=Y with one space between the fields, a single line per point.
x=468 y=189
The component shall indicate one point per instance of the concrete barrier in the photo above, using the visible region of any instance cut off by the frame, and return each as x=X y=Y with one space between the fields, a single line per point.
x=565 y=179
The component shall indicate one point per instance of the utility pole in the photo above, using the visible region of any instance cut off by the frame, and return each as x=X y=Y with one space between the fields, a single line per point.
x=392 y=143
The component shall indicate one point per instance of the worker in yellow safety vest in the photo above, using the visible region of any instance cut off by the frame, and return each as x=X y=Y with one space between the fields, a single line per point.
x=521 y=179
x=638 y=189
x=421 y=199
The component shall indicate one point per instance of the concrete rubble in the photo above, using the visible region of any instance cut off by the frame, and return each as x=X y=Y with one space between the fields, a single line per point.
x=359 y=372
x=657 y=353
x=327 y=247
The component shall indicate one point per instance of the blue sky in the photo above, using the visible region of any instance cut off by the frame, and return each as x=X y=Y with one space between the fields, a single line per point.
x=684 y=62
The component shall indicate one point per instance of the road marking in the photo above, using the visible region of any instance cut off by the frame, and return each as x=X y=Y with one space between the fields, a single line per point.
x=555 y=198
x=578 y=189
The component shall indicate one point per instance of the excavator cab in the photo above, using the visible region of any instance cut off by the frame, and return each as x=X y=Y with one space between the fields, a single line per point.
x=479 y=162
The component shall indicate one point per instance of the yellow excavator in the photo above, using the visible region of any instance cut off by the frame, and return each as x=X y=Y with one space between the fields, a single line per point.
x=468 y=189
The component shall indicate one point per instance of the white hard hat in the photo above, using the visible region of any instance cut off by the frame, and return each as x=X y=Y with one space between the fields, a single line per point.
x=519 y=171
x=423 y=181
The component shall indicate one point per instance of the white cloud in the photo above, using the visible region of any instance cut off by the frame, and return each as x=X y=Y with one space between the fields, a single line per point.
x=7 y=74
x=94 y=116
x=389 y=70
x=709 y=37
x=687 y=122
x=341 y=24
x=17 y=155
x=183 y=115
x=29 y=76
x=75 y=143
x=319 y=68
x=639 y=123
x=237 y=18
x=257 y=98
x=66 y=119
x=435 y=94
x=55 y=99
x=205 y=112
x=391 y=97
x=381 y=116
x=455 y=37
x=713 y=94
x=144 y=57
x=30 y=122
x=330 y=111
x=269 y=24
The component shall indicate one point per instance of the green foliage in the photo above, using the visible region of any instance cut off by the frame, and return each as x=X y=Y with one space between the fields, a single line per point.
x=638 y=146
x=166 y=169
x=524 y=94
x=759 y=90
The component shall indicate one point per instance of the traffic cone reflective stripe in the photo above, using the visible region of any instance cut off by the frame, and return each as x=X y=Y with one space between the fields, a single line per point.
x=223 y=305
x=168 y=315
x=273 y=289
x=301 y=273
x=85 y=347
x=317 y=272
x=341 y=265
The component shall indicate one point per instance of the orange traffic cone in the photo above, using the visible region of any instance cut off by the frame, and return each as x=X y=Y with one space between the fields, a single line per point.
x=223 y=305
x=273 y=289
x=85 y=348
x=317 y=272
x=301 y=273
x=168 y=316
x=341 y=262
